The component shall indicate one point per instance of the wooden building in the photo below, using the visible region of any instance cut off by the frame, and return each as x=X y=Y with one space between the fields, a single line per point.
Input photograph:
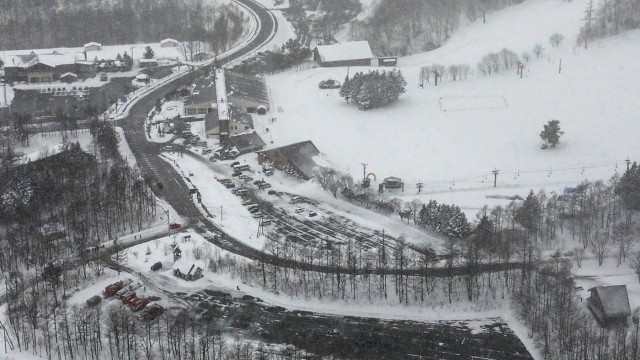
x=187 y=270
x=609 y=305
x=349 y=53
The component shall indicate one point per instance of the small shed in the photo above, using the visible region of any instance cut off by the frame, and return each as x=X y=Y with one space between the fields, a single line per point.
x=261 y=110
x=168 y=42
x=69 y=77
x=388 y=61
x=187 y=271
x=92 y=46
x=177 y=254
x=609 y=305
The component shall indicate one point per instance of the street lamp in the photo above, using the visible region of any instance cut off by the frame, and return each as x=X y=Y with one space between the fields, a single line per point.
x=166 y=213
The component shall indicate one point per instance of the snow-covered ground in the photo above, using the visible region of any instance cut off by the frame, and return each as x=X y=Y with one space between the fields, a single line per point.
x=9 y=95
x=498 y=120
x=46 y=144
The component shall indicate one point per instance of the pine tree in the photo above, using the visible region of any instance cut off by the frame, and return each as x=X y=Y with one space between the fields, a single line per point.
x=628 y=188
x=148 y=53
x=551 y=133
x=528 y=215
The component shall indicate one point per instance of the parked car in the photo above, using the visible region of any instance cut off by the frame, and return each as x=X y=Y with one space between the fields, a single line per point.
x=256 y=215
x=299 y=210
x=264 y=185
x=235 y=163
x=258 y=182
x=329 y=84
x=229 y=185
x=236 y=173
x=247 y=179
x=104 y=77
x=174 y=226
x=313 y=213
x=156 y=266
x=272 y=192
x=206 y=151
x=247 y=202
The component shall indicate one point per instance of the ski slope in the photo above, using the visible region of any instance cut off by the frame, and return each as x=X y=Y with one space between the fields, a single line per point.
x=452 y=136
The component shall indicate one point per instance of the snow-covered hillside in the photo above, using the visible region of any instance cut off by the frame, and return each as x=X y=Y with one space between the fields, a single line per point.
x=452 y=136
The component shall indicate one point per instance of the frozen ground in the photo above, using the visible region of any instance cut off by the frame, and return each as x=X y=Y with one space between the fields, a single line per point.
x=46 y=144
x=497 y=120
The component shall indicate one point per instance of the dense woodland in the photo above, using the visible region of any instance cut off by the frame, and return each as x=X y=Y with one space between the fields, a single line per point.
x=67 y=203
x=608 y=17
x=55 y=23
x=402 y=27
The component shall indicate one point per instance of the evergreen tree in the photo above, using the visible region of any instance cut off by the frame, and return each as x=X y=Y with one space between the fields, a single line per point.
x=148 y=53
x=551 y=133
x=128 y=61
x=628 y=188
x=528 y=215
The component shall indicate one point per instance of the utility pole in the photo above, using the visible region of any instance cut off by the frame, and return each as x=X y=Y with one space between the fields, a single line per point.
x=364 y=171
x=220 y=212
x=495 y=173
x=419 y=185
x=628 y=161
x=560 y=67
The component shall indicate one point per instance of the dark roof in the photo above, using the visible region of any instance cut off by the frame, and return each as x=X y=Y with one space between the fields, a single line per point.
x=203 y=90
x=247 y=88
x=613 y=299
x=299 y=155
x=247 y=142
x=211 y=119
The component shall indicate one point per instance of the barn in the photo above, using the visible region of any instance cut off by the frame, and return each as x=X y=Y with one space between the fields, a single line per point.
x=609 y=305
x=349 y=53
x=92 y=46
x=168 y=42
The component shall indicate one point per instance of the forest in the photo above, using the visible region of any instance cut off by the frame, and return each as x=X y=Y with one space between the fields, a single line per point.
x=403 y=27
x=66 y=23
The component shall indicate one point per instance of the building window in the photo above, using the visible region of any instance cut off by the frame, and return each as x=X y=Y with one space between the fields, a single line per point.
x=202 y=111
x=191 y=111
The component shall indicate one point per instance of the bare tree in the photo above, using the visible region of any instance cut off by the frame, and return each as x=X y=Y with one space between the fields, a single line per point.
x=578 y=255
x=453 y=71
x=526 y=56
x=537 y=49
x=556 y=39
x=600 y=245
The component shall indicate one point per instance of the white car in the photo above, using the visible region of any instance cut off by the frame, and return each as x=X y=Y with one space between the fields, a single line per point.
x=299 y=210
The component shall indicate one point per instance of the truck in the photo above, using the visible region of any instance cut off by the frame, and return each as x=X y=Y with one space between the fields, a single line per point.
x=138 y=304
x=243 y=167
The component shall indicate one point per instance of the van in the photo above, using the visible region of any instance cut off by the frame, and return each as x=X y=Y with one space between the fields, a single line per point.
x=104 y=77
x=241 y=167
x=295 y=199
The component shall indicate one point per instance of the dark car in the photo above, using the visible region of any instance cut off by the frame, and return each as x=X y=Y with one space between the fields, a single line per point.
x=236 y=173
x=272 y=192
x=174 y=226
x=229 y=185
x=235 y=163
x=156 y=266
x=258 y=182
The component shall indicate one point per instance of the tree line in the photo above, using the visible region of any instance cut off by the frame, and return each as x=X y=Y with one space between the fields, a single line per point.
x=55 y=23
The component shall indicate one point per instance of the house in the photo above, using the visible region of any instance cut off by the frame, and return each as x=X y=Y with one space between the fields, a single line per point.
x=92 y=46
x=609 y=305
x=187 y=270
x=294 y=159
x=388 y=61
x=247 y=142
x=239 y=122
x=168 y=42
x=349 y=53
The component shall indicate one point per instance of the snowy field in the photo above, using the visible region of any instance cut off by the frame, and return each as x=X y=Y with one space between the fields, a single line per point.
x=497 y=120
x=46 y=144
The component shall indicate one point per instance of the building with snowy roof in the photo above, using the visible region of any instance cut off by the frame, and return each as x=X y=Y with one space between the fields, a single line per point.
x=247 y=142
x=35 y=68
x=349 y=53
x=609 y=305
x=92 y=46
x=186 y=270
x=239 y=122
x=296 y=159
x=168 y=42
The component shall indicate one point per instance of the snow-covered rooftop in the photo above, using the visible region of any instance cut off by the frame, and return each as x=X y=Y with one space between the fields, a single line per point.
x=349 y=50
x=93 y=43
x=221 y=95
x=168 y=40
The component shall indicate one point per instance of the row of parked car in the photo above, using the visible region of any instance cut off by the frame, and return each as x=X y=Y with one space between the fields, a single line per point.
x=125 y=291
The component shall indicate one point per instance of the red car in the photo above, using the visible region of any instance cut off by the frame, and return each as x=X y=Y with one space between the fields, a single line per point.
x=174 y=226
